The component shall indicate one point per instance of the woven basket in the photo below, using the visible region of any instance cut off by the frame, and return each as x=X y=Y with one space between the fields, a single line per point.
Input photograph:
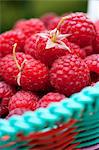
x=72 y=124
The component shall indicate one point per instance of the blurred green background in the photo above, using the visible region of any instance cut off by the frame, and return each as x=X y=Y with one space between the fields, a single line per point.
x=12 y=10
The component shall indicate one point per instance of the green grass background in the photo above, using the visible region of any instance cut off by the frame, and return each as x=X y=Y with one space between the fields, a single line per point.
x=12 y=10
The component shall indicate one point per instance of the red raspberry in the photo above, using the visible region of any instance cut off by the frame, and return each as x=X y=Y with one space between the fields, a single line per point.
x=36 y=47
x=8 y=67
x=93 y=63
x=17 y=111
x=30 y=27
x=47 y=18
x=23 y=99
x=80 y=27
x=6 y=91
x=32 y=76
x=49 y=98
x=96 y=44
x=53 y=23
x=8 y=39
x=69 y=74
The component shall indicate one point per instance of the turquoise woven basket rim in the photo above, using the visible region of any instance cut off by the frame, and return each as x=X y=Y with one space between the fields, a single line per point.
x=76 y=107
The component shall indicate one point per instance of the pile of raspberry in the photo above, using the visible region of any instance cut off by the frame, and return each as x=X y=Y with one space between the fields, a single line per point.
x=46 y=60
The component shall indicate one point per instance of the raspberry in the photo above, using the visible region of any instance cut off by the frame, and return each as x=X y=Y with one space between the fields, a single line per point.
x=96 y=44
x=69 y=74
x=47 y=18
x=36 y=47
x=93 y=63
x=53 y=23
x=9 y=38
x=23 y=99
x=30 y=27
x=6 y=91
x=80 y=27
x=8 y=68
x=49 y=98
x=32 y=76
x=17 y=111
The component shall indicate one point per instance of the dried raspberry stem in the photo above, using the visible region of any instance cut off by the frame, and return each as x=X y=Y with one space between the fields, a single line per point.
x=19 y=74
x=14 y=56
x=54 y=37
x=17 y=64
x=60 y=22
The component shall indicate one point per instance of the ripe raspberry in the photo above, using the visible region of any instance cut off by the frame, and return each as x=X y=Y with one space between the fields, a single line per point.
x=93 y=63
x=36 y=47
x=17 y=111
x=80 y=27
x=32 y=76
x=53 y=23
x=49 y=98
x=96 y=44
x=30 y=27
x=69 y=74
x=47 y=18
x=23 y=99
x=8 y=39
x=6 y=91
